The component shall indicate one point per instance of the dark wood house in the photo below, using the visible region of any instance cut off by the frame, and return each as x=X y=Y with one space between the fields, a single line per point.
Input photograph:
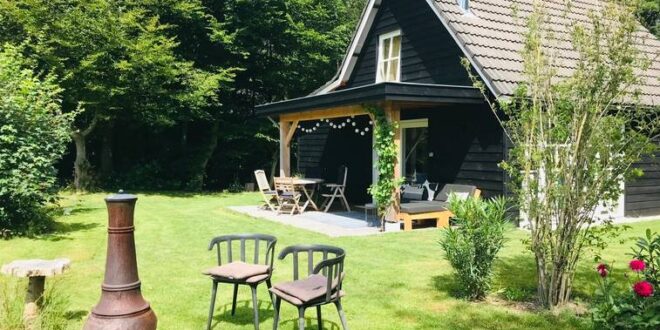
x=405 y=55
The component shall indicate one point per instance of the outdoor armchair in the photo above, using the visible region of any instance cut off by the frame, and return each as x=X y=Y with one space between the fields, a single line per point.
x=337 y=190
x=287 y=195
x=323 y=284
x=269 y=195
x=249 y=261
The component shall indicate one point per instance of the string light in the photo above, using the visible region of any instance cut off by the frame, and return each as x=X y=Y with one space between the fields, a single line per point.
x=340 y=124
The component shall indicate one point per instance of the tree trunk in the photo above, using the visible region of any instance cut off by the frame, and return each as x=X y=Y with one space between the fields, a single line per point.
x=275 y=158
x=107 y=142
x=199 y=170
x=81 y=167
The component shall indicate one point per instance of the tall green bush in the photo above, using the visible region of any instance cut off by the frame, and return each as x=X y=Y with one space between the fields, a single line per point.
x=472 y=245
x=33 y=134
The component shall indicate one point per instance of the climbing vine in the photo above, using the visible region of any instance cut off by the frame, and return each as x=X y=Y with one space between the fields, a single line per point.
x=384 y=190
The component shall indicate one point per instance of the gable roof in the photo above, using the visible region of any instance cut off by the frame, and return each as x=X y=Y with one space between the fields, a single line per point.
x=492 y=39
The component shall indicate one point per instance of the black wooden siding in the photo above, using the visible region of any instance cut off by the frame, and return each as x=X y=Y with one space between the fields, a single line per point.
x=321 y=153
x=466 y=142
x=643 y=194
x=467 y=146
x=428 y=53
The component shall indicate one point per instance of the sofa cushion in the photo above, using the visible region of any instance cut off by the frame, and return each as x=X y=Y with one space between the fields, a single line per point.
x=412 y=193
x=459 y=189
x=237 y=270
x=423 y=207
x=305 y=290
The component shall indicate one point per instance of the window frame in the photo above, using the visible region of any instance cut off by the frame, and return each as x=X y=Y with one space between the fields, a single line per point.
x=379 y=65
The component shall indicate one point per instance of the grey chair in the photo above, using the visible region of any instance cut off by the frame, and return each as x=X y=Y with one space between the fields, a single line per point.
x=337 y=190
x=251 y=271
x=323 y=284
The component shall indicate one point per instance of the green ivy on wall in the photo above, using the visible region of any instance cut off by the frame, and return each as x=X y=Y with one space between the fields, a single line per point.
x=384 y=190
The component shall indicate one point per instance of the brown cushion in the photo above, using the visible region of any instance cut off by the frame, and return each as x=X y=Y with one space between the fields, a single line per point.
x=237 y=270
x=308 y=289
x=258 y=278
x=298 y=302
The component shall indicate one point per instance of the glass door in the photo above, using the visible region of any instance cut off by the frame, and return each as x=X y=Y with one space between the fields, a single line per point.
x=415 y=150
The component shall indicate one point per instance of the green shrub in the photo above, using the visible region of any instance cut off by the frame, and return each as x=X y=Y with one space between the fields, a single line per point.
x=54 y=307
x=472 y=245
x=33 y=136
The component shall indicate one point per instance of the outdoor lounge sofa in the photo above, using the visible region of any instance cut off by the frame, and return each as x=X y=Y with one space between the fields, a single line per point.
x=437 y=209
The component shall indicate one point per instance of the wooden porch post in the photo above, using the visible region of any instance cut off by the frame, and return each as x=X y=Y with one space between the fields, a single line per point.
x=393 y=113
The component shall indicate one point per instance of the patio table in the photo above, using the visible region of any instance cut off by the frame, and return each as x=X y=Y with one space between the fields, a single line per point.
x=308 y=187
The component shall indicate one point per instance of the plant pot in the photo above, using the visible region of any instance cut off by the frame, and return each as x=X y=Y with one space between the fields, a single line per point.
x=392 y=226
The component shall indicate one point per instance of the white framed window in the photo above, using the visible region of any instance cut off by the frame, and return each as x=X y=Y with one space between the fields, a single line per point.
x=389 y=57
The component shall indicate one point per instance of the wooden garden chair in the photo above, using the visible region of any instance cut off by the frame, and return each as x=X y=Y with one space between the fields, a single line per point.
x=269 y=195
x=322 y=286
x=287 y=195
x=247 y=270
x=337 y=190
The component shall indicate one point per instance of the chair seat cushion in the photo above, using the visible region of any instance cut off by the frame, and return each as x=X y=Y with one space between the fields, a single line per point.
x=237 y=270
x=306 y=290
x=423 y=207
x=297 y=302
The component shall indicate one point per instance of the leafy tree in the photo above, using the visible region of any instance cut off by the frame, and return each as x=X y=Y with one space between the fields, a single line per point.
x=33 y=136
x=575 y=138
x=649 y=15
x=115 y=60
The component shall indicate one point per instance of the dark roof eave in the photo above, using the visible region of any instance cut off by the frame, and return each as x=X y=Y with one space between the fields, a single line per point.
x=388 y=91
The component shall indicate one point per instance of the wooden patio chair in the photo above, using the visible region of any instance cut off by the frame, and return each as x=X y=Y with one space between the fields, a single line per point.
x=269 y=195
x=287 y=195
x=252 y=270
x=337 y=190
x=323 y=284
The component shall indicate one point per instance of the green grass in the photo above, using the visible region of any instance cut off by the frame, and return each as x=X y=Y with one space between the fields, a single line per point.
x=394 y=281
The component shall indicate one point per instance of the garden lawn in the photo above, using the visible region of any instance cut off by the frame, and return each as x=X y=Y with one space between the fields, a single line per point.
x=393 y=281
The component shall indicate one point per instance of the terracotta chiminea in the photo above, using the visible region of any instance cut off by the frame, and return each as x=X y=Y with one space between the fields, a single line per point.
x=121 y=305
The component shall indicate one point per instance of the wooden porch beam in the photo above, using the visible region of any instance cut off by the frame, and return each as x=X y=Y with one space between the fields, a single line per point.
x=353 y=110
x=292 y=131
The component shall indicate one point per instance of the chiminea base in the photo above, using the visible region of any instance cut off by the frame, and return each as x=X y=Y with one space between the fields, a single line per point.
x=146 y=320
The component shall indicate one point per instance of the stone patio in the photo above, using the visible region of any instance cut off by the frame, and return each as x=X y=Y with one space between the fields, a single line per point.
x=334 y=224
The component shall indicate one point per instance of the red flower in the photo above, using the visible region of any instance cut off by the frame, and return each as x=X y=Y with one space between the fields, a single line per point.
x=637 y=265
x=643 y=288
x=602 y=270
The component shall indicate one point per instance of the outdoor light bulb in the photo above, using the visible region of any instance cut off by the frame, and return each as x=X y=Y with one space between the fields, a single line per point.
x=298 y=126
x=348 y=120
x=317 y=124
x=361 y=133
x=343 y=124
x=352 y=116
x=357 y=130
x=371 y=122
x=314 y=128
x=366 y=129
x=353 y=123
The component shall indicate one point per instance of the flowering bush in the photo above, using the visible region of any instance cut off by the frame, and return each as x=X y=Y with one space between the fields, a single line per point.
x=639 y=306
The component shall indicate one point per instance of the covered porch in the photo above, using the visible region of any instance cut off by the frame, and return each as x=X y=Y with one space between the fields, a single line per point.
x=446 y=134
